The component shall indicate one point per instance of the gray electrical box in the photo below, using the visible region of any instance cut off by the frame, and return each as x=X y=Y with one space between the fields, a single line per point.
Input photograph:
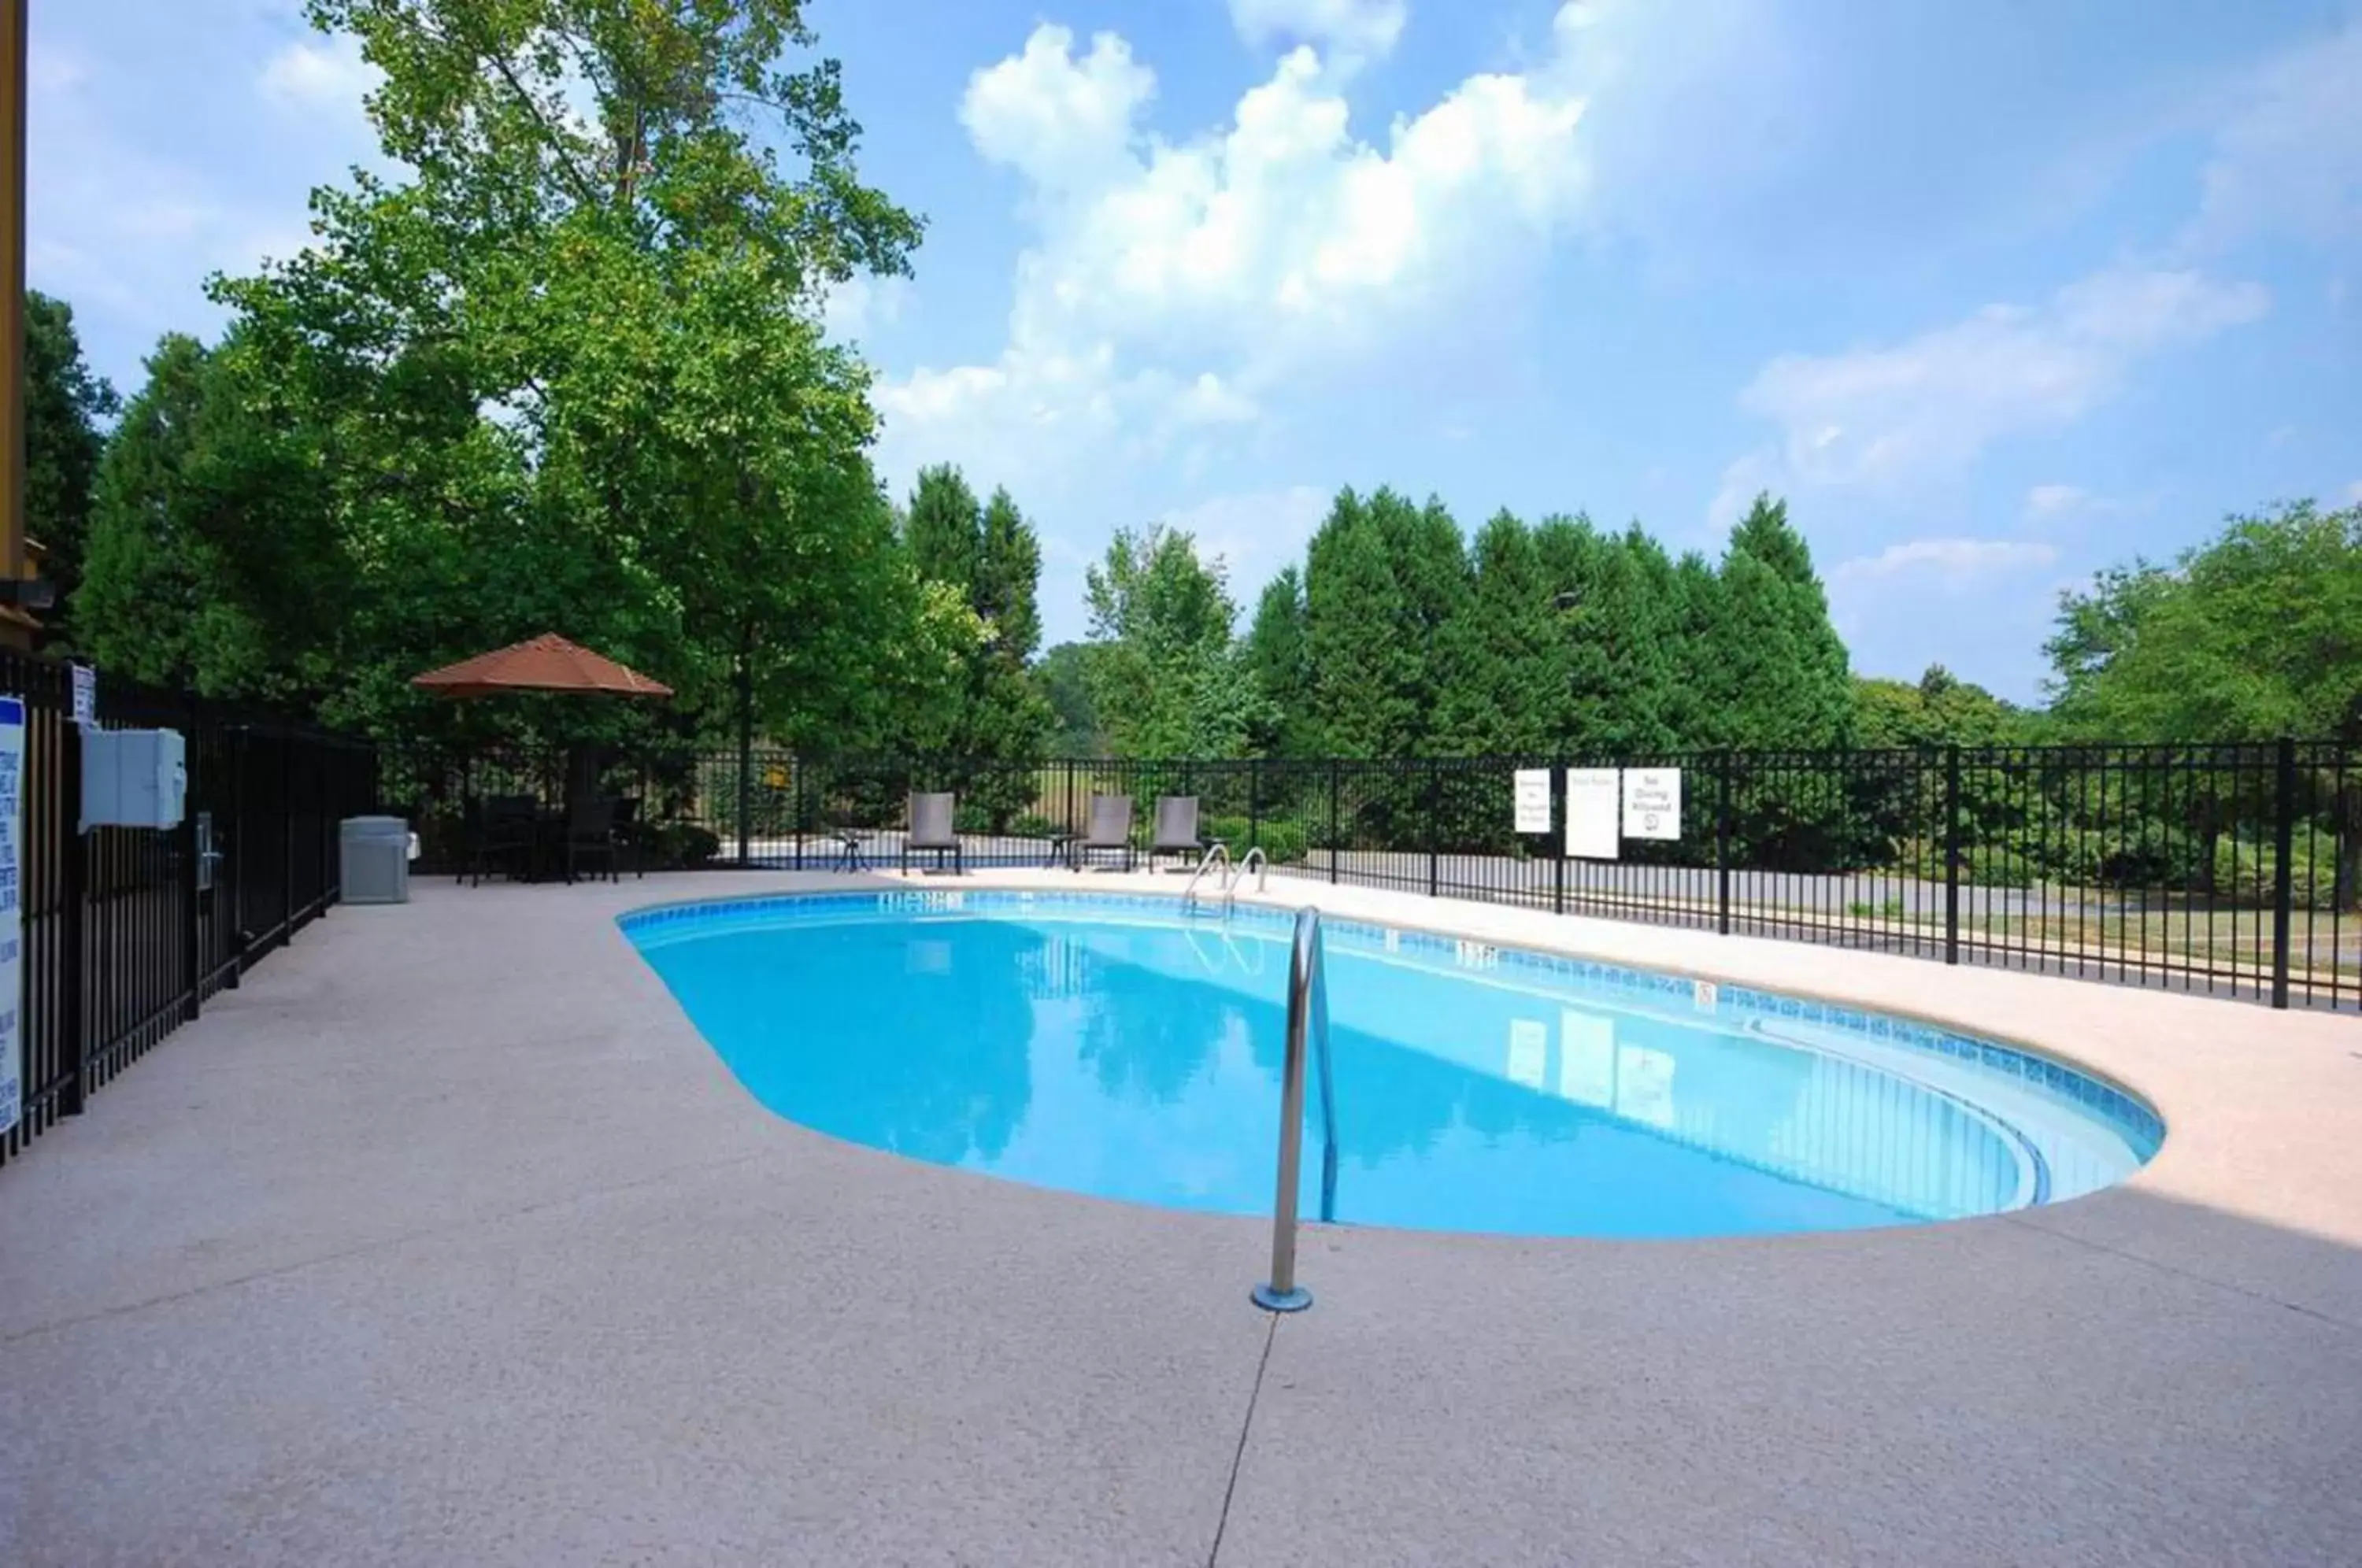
x=133 y=777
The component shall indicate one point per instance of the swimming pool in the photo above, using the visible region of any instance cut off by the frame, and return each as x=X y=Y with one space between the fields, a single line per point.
x=1110 y=1044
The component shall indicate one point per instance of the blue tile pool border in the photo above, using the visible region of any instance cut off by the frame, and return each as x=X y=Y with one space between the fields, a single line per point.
x=2127 y=1113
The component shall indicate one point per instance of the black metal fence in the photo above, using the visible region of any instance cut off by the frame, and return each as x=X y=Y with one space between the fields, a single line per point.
x=127 y=931
x=2234 y=871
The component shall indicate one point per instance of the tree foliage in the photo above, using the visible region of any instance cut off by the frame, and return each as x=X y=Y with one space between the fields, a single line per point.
x=568 y=374
x=1167 y=678
x=67 y=407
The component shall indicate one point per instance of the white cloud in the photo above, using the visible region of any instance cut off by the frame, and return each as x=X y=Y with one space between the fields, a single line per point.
x=1176 y=286
x=851 y=308
x=2056 y=500
x=1255 y=534
x=1889 y=419
x=1952 y=560
x=1352 y=27
x=319 y=73
x=2354 y=493
x=2288 y=149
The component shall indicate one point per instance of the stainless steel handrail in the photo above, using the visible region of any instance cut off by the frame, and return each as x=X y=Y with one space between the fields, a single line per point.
x=1206 y=862
x=1308 y=1020
x=1257 y=862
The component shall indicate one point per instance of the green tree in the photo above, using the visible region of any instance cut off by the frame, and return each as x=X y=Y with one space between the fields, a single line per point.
x=570 y=375
x=1778 y=671
x=2254 y=635
x=1278 y=653
x=1501 y=656
x=1167 y=678
x=145 y=584
x=1065 y=677
x=1366 y=664
x=990 y=554
x=67 y=406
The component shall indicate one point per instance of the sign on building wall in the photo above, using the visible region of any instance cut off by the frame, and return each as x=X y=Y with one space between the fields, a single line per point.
x=12 y=912
x=1532 y=786
x=1652 y=802
x=1591 y=796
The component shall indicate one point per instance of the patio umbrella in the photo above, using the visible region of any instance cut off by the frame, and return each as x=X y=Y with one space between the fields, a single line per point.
x=546 y=663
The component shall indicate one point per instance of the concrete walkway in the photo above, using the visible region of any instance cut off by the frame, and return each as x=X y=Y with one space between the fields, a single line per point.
x=447 y=1240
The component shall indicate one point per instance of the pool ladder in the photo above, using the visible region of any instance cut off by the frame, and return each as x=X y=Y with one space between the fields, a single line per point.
x=1228 y=883
x=1308 y=1027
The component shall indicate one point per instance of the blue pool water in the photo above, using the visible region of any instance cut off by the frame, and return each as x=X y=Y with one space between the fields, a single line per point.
x=1110 y=1045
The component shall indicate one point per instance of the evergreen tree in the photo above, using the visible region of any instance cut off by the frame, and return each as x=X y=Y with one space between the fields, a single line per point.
x=146 y=578
x=1278 y=653
x=66 y=407
x=989 y=555
x=1500 y=658
x=1777 y=667
x=1365 y=666
x=943 y=526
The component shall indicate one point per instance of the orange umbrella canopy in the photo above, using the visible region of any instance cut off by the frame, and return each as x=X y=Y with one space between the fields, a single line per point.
x=546 y=663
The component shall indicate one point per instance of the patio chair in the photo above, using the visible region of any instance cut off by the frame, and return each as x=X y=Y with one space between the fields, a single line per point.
x=503 y=836
x=1176 y=829
x=632 y=835
x=1110 y=829
x=932 y=820
x=591 y=835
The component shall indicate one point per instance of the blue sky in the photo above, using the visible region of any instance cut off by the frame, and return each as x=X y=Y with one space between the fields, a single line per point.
x=1995 y=294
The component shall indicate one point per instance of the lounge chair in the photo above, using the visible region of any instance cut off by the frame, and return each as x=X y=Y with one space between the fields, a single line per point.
x=931 y=828
x=1110 y=829
x=1176 y=829
x=503 y=835
x=590 y=836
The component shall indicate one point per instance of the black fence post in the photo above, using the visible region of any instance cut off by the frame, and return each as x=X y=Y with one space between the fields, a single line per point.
x=1951 y=854
x=286 y=841
x=746 y=761
x=800 y=767
x=1558 y=836
x=1434 y=830
x=235 y=817
x=1254 y=802
x=190 y=919
x=192 y=970
x=2283 y=872
x=1336 y=828
x=74 y=890
x=1722 y=843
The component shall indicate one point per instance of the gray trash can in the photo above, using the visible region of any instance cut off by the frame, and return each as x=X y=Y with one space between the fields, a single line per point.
x=375 y=857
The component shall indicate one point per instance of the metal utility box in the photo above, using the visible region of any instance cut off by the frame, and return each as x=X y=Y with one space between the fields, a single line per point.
x=133 y=777
x=374 y=860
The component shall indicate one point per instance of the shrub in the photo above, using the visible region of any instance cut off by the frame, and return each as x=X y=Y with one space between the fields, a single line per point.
x=1282 y=842
x=686 y=846
x=1032 y=824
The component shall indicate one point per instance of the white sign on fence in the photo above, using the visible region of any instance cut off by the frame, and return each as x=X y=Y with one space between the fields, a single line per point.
x=1591 y=796
x=1652 y=802
x=85 y=695
x=1533 y=799
x=12 y=913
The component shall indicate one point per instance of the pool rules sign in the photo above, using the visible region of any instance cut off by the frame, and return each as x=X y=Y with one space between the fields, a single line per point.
x=12 y=912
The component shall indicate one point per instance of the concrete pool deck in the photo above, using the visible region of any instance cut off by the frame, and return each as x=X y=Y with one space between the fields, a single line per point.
x=447 y=1240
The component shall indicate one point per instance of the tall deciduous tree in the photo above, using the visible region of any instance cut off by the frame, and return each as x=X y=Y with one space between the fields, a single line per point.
x=1166 y=677
x=570 y=375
